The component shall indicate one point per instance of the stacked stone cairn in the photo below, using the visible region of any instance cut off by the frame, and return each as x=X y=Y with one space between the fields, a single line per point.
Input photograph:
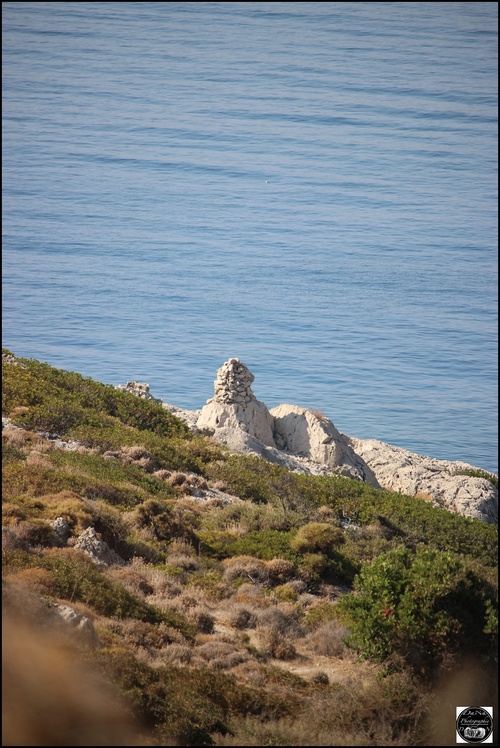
x=234 y=406
x=233 y=384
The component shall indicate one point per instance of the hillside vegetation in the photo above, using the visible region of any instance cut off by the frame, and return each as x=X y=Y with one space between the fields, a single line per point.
x=246 y=605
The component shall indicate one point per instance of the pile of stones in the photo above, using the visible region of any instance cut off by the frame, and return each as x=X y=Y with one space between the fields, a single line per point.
x=233 y=384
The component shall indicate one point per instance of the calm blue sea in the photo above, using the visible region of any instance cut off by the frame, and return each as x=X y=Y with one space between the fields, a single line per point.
x=310 y=187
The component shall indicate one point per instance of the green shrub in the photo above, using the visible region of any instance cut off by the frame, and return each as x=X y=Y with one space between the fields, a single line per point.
x=286 y=594
x=421 y=606
x=11 y=454
x=321 y=614
x=185 y=706
x=317 y=537
x=313 y=565
x=267 y=544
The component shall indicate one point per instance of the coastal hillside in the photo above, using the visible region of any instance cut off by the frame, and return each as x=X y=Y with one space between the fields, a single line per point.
x=161 y=588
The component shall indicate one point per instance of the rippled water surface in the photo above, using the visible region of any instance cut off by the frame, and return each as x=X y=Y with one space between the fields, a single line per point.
x=311 y=187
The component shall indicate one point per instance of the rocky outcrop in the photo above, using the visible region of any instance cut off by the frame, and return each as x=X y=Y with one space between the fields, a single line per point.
x=8 y=358
x=303 y=440
x=90 y=542
x=139 y=389
x=235 y=406
x=62 y=528
x=438 y=481
x=306 y=433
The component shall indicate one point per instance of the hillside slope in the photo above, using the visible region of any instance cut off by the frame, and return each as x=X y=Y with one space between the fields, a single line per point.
x=211 y=598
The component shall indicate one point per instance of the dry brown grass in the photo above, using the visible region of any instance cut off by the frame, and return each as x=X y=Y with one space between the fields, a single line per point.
x=246 y=567
x=280 y=570
x=145 y=635
x=131 y=579
x=319 y=415
x=327 y=639
x=221 y=655
x=38 y=459
x=183 y=561
x=241 y=617
x=25 y=440
x=202 y=619
x=34 y=579
x=12 y=514
x=75 y=510
x=252 y=595
x=138 y=455
x=274 y=644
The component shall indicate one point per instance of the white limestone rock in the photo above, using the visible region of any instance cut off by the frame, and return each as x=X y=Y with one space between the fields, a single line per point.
x=305 y=433
x=90 y=542
x=235 y=406
x=139 y=389
x=239 y=442
x=397 y=469
x=190 y=417
x=62 y=528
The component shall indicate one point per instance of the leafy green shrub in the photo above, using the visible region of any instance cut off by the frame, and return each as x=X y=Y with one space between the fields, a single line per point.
x=286 y=594
x=421 y=606
x=317 y=537
x=90 y=476
x=11 y=454
x=168 y=522
x=185 y=706
x=321 y=614
x=245 y=477
x=211 y=582
x=312 y=566
x=267 y=544
x=44 y=388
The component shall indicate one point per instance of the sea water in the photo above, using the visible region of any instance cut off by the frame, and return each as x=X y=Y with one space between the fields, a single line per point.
x=310 y=187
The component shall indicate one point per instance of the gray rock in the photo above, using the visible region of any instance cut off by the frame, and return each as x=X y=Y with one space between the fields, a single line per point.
x=61 y=527
x=139 y=389
x=303 y=432
x=439 y=481
x=90 y=542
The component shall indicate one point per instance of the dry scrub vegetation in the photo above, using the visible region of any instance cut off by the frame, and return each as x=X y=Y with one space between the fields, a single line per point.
x=240 y=607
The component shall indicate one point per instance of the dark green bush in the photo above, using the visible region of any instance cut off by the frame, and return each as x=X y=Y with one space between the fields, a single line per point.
x=264 y=544
x=421 y=606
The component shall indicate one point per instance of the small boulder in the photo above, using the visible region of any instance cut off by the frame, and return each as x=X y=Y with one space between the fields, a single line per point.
x=90 y=542
x=306 y=433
